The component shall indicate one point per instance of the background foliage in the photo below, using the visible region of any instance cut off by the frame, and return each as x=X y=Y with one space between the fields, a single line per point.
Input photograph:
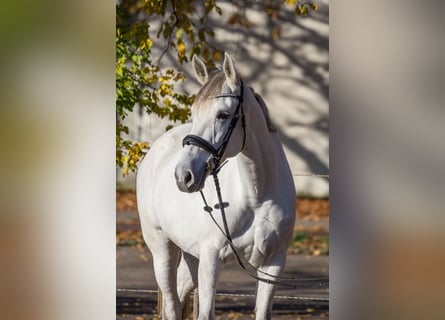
x=175 y=25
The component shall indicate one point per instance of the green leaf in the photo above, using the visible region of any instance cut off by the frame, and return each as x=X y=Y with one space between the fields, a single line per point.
x=303 y=9
x=179 y=33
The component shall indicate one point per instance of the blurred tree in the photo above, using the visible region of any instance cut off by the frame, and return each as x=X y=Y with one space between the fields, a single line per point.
x=180 y=26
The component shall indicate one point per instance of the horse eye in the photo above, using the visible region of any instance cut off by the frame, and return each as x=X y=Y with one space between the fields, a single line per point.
x=223 y=115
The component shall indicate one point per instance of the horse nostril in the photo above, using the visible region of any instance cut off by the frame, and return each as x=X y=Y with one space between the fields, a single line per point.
x=188 y=178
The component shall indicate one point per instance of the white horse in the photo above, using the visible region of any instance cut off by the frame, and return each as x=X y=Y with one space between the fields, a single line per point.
x=188 y=248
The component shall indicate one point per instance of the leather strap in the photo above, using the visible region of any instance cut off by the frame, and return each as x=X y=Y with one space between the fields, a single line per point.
x=195 y=140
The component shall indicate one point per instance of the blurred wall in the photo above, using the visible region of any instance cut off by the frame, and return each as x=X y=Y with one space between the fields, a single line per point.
x=291 y=74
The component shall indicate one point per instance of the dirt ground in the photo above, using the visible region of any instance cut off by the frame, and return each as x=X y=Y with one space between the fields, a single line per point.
x=135 y=272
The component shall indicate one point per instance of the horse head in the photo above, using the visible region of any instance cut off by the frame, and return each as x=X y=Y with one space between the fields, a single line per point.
x=216 y=133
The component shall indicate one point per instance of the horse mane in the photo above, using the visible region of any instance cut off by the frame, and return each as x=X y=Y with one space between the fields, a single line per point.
x=265 y=111
x=213 y=87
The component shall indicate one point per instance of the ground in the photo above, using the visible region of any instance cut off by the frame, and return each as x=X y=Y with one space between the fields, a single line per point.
x=307 y=258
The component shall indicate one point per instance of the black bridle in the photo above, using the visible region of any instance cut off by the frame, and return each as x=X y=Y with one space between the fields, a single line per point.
x=218 y=153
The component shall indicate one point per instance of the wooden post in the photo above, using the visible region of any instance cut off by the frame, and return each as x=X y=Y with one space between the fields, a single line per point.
x=195 y=304
x=159 y=304
x=188 y=309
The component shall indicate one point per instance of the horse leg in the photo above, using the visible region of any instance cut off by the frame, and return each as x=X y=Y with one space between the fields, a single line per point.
x=208 y=272
x=187 y=276
x=165 y=262
x=265 y=291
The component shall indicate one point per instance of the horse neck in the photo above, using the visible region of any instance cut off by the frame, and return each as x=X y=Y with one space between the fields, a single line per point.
x=260 y=159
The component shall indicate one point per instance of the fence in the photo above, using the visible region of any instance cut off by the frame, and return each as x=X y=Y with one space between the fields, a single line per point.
x=191 y=305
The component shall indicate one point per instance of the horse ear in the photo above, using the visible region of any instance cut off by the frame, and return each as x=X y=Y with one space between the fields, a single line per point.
x=230 y=72
x=200 y=69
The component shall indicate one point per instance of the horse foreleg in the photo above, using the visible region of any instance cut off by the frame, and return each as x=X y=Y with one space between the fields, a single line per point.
x=265 y=291
x=165 y=262
x=208 y=272
x=187 y=276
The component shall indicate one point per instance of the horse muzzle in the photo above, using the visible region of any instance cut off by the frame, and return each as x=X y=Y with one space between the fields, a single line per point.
x=189 y=180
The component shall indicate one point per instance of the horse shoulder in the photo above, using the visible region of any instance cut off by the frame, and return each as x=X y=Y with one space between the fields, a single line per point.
x=273 y=227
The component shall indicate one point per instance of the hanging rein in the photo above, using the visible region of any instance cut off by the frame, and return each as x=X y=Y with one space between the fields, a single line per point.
x=216 y=156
